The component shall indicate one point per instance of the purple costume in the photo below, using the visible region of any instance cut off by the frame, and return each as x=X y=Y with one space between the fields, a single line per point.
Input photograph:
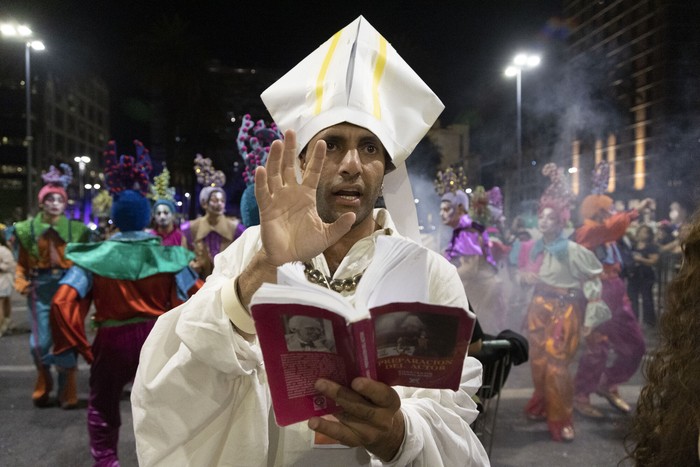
x=470 y=251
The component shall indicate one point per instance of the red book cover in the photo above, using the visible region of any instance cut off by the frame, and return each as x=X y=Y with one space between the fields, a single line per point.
x=403 y=344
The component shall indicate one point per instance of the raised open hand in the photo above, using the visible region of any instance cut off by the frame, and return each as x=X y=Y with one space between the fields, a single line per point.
x=290 y=227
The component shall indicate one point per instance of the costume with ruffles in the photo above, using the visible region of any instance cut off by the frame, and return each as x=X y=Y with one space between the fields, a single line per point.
x=209 y=240
x=470 y=251
x=621 y=333
x=132 y=279
x=567 y=296
x=40 y=266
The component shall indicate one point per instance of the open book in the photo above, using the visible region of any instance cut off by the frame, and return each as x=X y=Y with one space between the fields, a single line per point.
x=388 y=332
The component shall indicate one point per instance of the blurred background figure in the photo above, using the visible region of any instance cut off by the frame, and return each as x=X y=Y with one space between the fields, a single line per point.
x=165 y=221
x=665 y=427
x=213 y=232
x=641 y=274
x=470 y=251
x=40 y=266
x=7 y=274
x=566 y=302
x=600 y=232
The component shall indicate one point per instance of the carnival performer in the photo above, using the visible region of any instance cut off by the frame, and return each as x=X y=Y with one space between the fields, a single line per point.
x=131 y=279
x=566 y=303
x=164 y=211
x=40 y=266
x=201 y=377
x=470 y=251
x=253 y=142
x=600 y=230
x=7 y=275
x=212 y=233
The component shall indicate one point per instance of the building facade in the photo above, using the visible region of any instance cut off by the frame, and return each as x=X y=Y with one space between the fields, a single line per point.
x=69 y=118
x=647 y=54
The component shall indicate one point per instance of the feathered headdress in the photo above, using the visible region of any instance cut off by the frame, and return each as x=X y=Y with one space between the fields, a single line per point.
x=211 y=179
x=162 y=192
x=450 y=185
x=61 y=177
x=160 y=188
x=206 y=174
x=558 y=194
x=486 y=206
x=127 y=178
x=56 y=181
x=254 y=140
x=597 y=201
x=601 y=178
x=102 y=204
x=127 y=172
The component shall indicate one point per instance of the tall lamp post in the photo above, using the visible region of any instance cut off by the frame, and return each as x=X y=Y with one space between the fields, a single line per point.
x=521 y=62
x=24 y=33
x=82 y=161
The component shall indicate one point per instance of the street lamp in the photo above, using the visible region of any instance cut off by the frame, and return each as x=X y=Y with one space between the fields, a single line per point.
x=521 y=62
x=24 y=33
x=82 y=163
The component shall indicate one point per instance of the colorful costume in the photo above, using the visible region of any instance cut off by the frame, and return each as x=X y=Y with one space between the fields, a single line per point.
x=131 y=279
x=206 y=238
x=470 y=251
x=164 y=196
x=40 y=266
x=567 y=284
x=622 y=333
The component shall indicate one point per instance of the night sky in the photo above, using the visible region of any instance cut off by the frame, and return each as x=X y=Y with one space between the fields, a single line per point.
x=459 y=48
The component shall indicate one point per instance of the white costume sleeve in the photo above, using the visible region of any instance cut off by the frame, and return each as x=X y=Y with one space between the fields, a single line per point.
x=437 y=421
x=586 y=267
x=200 y=396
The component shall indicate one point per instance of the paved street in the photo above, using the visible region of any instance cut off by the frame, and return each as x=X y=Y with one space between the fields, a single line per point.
x=53 y=437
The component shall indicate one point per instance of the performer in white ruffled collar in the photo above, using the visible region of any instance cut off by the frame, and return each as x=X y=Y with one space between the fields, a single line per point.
x=351 y=112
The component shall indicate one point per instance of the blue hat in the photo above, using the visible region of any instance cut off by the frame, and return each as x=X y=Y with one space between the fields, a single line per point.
x=131 y=211
x=165 y=202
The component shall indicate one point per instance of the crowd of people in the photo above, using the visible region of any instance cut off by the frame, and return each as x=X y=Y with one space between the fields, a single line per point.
x=169 y=297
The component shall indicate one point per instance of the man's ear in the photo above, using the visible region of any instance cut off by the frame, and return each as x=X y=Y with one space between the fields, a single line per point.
x=302 y=159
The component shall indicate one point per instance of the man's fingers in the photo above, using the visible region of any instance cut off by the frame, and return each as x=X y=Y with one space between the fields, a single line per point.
x=288 y=156
x=262 y=193
x=314 y=164
x=378 y=393
x=334 y=430
x=340 y=227
x=273 y=166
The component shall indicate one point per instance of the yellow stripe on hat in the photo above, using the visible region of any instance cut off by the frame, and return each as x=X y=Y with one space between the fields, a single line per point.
x=324 y=69
x=378 y=72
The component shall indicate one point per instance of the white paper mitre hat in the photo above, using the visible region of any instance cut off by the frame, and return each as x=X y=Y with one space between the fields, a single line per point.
x=356 y=76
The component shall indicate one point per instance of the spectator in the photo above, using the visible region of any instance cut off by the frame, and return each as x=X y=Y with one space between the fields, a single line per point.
x=641 y=276
x=664 y=430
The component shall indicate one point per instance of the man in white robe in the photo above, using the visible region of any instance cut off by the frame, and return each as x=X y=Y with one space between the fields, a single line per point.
x=200 y=396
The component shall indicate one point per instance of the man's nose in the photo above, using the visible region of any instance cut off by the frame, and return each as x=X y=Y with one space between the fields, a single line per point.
x=351 y=163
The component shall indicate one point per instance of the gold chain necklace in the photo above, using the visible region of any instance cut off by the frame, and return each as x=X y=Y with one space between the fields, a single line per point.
x=338 y=285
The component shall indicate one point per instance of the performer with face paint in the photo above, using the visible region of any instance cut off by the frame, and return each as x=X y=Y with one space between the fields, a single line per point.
x=565 y=303
x=164 y=212
x=211 y=233
x=41 y=265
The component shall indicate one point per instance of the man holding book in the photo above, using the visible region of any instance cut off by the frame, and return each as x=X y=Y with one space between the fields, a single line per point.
x=349 y=121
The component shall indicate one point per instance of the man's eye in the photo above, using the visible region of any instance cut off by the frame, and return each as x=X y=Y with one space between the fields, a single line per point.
x=331 y=146
x=371 y=149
